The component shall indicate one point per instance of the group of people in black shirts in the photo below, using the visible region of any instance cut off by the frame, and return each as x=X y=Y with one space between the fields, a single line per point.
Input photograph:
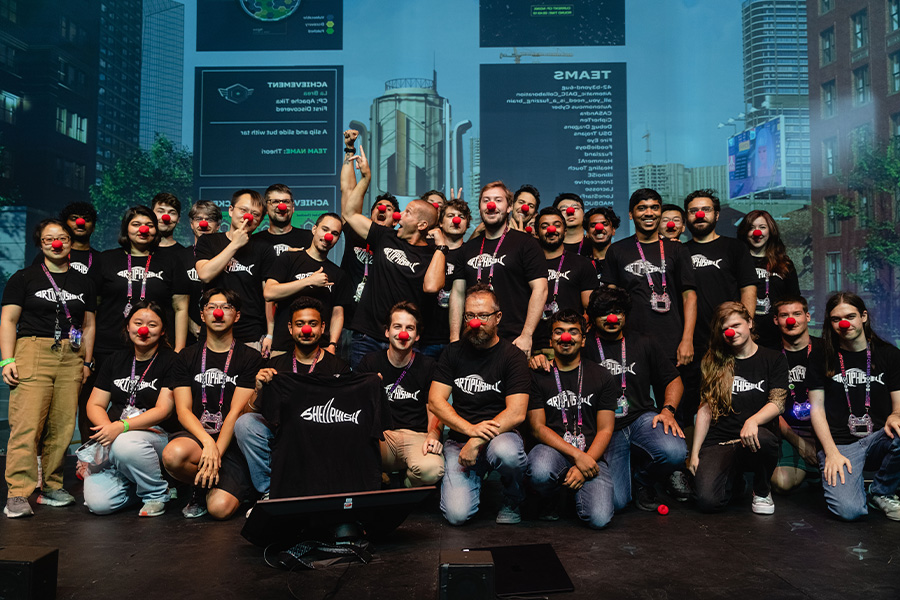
x=249 y=365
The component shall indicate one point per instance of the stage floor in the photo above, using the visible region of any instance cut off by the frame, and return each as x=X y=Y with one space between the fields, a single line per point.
x=797 y=553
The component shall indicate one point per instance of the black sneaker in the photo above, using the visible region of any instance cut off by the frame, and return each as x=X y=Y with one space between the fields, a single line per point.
x=196 y=506
x=644 y=497
x=679 y=487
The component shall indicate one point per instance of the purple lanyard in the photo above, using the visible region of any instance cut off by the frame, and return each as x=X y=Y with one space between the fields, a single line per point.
x=132 y=384
x=59 y=296
x=562 y=405
x=562 y=257
x=662 y=255
x=791 y=385
x=868 y=378
x=313 y=365
x=366 y=264
x=493 y=258
x=144 y=282
x=402 y=375
x=767 y=282
x=580 y=245
x=90 y=259
x=224 y=377
x=603 y=357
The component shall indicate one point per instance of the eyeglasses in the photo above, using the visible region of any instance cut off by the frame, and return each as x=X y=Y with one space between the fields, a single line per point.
x=49 y=240
x=277 y=202
x=212 y=307
x=481 y=317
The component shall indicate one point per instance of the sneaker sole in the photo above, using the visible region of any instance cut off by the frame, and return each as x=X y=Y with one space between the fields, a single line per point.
x=763 y=510
x=151 y=514
x=194 y=515
x=17 y=515
x=878 y=508
x=56 y=503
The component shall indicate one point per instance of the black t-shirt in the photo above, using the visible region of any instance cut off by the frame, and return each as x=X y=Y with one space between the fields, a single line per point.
x=150 y=377
x=583 y=247
x=884 y=378
x=397 y=273
x=798 y=363
x=294 y=266
x=646 y=367
x=599 y=391
x=407 y=397
x=482 y=379
x=186 y=372
x=326 y=433
x=625 y=269
x=245 y=274
x=30 y=289
x=295 y=238
x=189 y=264
x=327 y=365
x=721 y=268
x=165 y=279
x=779 y=287
x=86 y=262
x=435 y=326
x=518 y=261
x=576 y=275
x=754 y=377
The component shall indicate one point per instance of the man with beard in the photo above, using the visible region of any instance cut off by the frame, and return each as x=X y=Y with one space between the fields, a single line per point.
x=252 y=432
x=571 y=413
x=509 y=262
x=490 y=383
x=600 y=224
x=570 y=276
x=281 y=235
x=571 y=207
x=167 y=208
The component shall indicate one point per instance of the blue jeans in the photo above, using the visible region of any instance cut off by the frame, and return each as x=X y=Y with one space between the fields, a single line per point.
x=133 y=473
x=461 y=488
x=362 y=344
x=848 y=500
x=661 y=454
x=254 y=437
x=547 y=469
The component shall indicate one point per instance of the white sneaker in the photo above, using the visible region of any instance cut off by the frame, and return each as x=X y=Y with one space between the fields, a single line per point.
x=250 y=510
x=889 y=505
x=763 y=506
x=509 y=515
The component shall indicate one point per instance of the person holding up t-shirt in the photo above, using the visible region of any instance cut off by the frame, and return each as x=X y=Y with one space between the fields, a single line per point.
x=310 y=273
x=744 y=390
x=600 y=225
x=510 y=263
x=46 y=343
x=854 y=390
x=404 y=266
x=129 y=407
x=797 y=458
x=281 y=236
x=213 y=382
x=489 y=380
x=571 y=413
x=658 y=275
x=414 y=441
x=253 y=433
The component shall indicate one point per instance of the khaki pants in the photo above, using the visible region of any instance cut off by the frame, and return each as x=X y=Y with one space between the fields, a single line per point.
x=42 y=410
x=402 y=448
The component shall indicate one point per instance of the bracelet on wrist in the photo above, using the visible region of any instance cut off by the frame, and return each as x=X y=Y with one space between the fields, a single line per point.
x=6 y=361
x=125 y=423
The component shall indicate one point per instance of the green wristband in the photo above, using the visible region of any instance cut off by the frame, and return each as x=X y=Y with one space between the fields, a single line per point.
x=7 y=361
x=125 y=423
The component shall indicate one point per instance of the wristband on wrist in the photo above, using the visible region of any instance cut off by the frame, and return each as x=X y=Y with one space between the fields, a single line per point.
x=349 y=151
x=268 y=336
x=7 y=361
x=330 y=344
x=125 y=423
x=670 y=408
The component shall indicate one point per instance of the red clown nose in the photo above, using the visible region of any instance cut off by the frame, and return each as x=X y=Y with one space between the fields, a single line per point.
x=790 y=321
x=306 y=330
x=551 y=229
x=491 y=206
x=248 y=217
x=79 y=222
x=143 y=230
x=670 y=225
x=143 y=331
x=328 y=238
x=565 y=338
x=528 y=229
x=204 y=225
x=382 y=207
x=475 y=323
x=218 y=314
x=701 y=214
x=57 y=245
x=757 y=233
x=525 y=208
x=662 y=509
x=570 y=210
x=282 y=207
x=457 y=220
x=729 y=333
x=599 y=227
x=437 y=205
x=396 y=216
x=844 y=324
x=612 y=319
x=166 y=218
x=403 y=336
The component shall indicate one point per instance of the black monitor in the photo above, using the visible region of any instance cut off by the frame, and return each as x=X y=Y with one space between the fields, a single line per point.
x=288 y=520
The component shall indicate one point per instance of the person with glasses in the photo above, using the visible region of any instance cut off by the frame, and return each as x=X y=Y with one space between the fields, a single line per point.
x=234 y=260
x=854 y=392
x=281 y=235
x=571 y=206
x=212 y=384
x=131 y=409
x=490 y=383
x=81 y=217
x=204 y=218
x=47 y=329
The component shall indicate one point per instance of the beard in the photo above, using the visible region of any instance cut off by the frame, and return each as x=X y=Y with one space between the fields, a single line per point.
x=550 y=246
x=479 y=338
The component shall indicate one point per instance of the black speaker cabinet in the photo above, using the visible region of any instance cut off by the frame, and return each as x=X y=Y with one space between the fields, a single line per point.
x=466 y=575
x=28 y=572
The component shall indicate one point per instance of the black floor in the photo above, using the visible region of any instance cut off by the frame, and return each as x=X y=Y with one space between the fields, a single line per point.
x=796 y=553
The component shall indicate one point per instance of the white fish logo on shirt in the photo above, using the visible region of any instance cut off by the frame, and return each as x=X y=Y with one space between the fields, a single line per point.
x=699 y=261
x=362 y=256
x=400 y=393
x=279 y=248
x=327 y=414
x=234 y=267
x=858 y=377
x=137 y=274
x=398 y=257
x=797 y=374
x=124 y=384
x=553 y=275
x=80 y=267
x=192 y=275
x=450 y=268
x=740 y=385
x=300 y=276
x=475 y=384
x=761 y=273
x=614 y=367
x=568 y=399
x=214 y=378
x=50 y=295
x=485 y=261
x=641 y=268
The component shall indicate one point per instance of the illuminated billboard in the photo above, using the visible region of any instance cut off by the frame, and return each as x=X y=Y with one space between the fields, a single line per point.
x=756 y=159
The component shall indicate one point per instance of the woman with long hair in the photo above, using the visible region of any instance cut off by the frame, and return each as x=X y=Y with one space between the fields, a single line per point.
x=854 y=393
x=46 y=341
x=131 y=401
x=742 y=391
x=775 y=271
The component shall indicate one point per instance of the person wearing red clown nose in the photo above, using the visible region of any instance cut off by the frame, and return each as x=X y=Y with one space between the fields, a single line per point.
x=571 y=412
x=854 y=390
x=281 y=235
x=204 y=218
x=672 y=223
x=571 y=207
x=404 y=266
x=237 y=261
x=743 y=393
x=413 y=446
x=600 y=225
x=310 y=273
x=81 y=217
x=167 y=208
